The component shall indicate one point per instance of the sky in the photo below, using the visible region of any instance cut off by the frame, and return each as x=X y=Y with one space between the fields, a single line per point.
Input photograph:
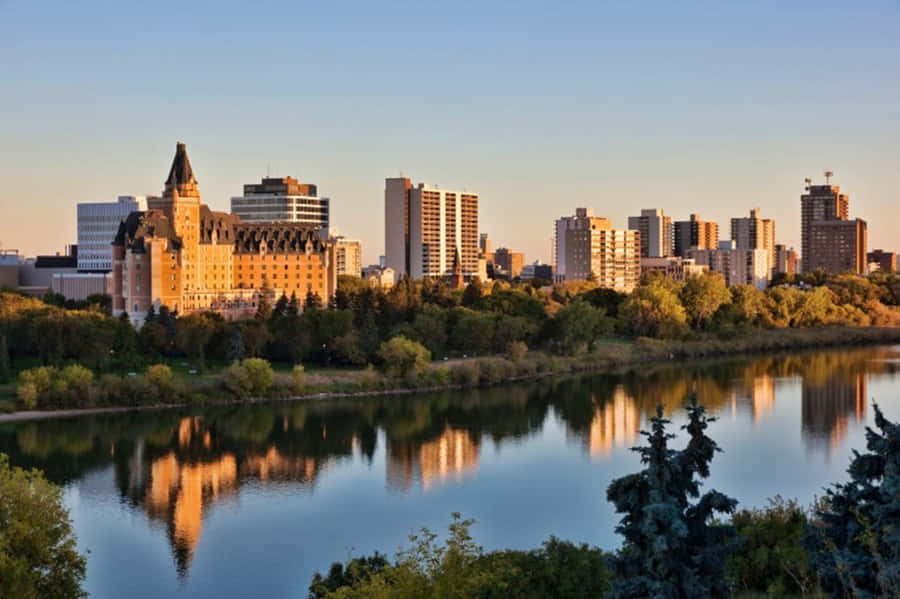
x=541 y=107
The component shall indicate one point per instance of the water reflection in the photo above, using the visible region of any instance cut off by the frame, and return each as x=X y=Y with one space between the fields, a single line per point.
x=175 y=465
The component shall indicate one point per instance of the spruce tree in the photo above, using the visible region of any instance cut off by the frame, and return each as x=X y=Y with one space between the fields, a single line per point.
x=236 y=350
x=671 y=548
x=281 y=307
x=293 y=308
x=855 y=545
x=5 y=371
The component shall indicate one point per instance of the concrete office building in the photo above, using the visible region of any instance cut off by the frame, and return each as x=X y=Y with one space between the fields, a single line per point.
x=739 y=267
x=886 y=261
x=755 y=233
x=282 y=199
x=430 y=232
x=98 y=223
x=508 y=263
x=786 y=260
x=695 y=234
x=819 y=203
x=837 y=246
x=593 y=250
x=657 y=234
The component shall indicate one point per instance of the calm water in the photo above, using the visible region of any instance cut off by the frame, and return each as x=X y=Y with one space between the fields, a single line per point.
x=250 y=501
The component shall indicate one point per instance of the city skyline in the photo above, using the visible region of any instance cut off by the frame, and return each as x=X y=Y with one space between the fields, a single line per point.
x=613 y=108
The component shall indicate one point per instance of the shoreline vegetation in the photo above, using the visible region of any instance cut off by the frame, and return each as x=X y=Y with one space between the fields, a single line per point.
x=418 y=336
x=234 y=385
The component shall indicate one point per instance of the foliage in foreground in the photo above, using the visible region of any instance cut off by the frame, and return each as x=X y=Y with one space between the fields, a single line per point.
x=855 y=548
x=38 y=556
x=459 y=568
x=672 y=549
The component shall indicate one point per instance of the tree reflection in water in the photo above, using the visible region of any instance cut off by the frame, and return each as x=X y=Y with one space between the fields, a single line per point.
x=175 y=464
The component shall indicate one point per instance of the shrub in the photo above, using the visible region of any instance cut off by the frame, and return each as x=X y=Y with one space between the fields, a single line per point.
x=516 y=350
x=465 y=374
x=260 y=374
x=160 y=375
x=403 y=356
x=298 y=378
x=236 y=379
x=370 y=379
x=28 y=395
x=77 y=381
x=111 y=389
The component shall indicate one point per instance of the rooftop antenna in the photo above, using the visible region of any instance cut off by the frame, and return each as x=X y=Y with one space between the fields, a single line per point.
x=808 y=183
x=267 y=171
x=828 y=176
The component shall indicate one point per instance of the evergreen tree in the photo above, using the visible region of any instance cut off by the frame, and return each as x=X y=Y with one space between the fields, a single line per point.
x=293 y=307
x=166 y=319
x=281 y=307
x=671 y=549
x=313 y=301
x=124 y=344
x=855 y=548
x=263 y=306
x=4 y=360
x=472 y=294
x=236 y=350
x=151 y=315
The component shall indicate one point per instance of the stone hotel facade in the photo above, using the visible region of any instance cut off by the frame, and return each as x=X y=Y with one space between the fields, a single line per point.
x=182 y=255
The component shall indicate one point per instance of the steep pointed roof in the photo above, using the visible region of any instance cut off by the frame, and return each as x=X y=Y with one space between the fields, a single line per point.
x=181 y=172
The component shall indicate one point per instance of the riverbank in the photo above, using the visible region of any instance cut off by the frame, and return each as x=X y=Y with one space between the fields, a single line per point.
x=609 y=355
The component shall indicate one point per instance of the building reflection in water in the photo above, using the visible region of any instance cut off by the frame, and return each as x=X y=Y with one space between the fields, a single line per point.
x=758 y=397
x=616 y=422
x=828 y=407
x=180 y=485
x=452 y=455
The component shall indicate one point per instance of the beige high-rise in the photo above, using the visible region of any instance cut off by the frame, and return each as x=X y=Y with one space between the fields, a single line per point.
x=755 y=233
x=593 y=250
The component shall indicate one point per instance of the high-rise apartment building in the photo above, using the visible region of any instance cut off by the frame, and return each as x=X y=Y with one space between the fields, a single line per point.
x=180 y=254
x=739 y=267
x=592 y=250
x=837 y=246
x=886 y=261
x=819 y=203
x=657 y=234
x=695 y=234
x=282 y=199
x=98 y=223
x=755 y=233
x=786 y=260
x=430 y=232
x=584 y=219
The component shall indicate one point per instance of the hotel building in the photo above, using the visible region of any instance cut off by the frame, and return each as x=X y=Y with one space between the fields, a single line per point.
x=181 y=254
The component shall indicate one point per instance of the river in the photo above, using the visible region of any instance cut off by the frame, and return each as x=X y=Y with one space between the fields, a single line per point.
x=249 y=501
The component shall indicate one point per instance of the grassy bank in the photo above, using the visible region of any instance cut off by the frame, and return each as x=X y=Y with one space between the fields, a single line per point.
x=217 y=385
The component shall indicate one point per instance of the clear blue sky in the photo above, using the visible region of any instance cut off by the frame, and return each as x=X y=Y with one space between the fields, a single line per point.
x=540 y=107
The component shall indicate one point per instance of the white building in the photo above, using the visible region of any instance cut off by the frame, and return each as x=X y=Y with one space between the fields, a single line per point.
x=348 y=254
x=739 y=267
x=98 y=223
x=429 y=231
x=282 y=199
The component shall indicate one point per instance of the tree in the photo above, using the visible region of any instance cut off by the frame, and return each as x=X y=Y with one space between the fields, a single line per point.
x=654 y=310
x=855 y=548
x=5 y=370
x=702 y=295
x=193 y=333
x=313 y=301
x=577 y=326
x=472 y=294
x=402 y=357
x=236 y=350
x=38 y=553
x=264 y=302
x=671 y=549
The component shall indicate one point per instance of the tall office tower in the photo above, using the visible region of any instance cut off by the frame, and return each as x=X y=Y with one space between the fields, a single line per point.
x=886 y=261
x=755 y=233
x=484 y=245
x=739 y=267
x=657 y=235
x=348 y=253
x=819 y=203
x=430 y=232
x=695 y=234
x=584 y=219
x=98 y=223
x=837 y=246
x=593 y=250
x=282 y=199
x=786 y=260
